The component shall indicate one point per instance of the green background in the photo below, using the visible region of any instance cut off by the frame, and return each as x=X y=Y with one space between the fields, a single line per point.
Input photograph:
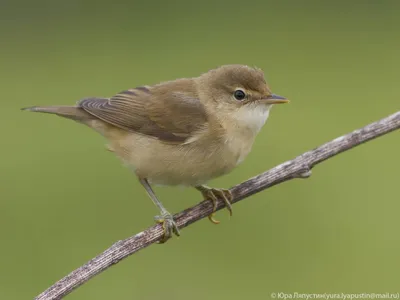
x=64 y=199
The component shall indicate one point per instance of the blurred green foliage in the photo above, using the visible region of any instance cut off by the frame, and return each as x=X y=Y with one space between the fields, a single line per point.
x=64 y=199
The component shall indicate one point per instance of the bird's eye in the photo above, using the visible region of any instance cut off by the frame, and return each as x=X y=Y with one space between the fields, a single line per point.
x=239 y=95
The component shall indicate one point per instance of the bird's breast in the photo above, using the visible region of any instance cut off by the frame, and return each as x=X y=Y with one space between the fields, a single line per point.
x=241 y=129
x=237 y=147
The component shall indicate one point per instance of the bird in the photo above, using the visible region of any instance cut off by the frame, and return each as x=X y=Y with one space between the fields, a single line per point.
x=182 y=132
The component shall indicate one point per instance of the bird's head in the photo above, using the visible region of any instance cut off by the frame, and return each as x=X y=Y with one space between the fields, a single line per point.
x=239 y=93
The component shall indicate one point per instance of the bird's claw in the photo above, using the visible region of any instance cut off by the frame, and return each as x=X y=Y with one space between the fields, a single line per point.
x=169 y=226
x=213 y=194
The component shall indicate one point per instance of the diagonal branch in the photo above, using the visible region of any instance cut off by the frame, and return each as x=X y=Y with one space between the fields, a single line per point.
x=299 y=167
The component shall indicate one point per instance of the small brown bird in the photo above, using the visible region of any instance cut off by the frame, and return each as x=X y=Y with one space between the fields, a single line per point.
x=181 y=132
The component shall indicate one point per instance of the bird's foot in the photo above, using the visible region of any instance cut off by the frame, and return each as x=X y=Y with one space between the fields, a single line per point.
x=169 y=225
x=213 y=194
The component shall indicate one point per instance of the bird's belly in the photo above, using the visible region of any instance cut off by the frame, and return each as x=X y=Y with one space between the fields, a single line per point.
x=166 y=164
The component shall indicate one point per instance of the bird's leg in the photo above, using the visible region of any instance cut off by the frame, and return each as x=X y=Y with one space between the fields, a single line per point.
x=165 y=218
x=213 y=194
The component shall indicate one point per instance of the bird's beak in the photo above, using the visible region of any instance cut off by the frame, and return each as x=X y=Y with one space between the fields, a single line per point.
x=274 y=99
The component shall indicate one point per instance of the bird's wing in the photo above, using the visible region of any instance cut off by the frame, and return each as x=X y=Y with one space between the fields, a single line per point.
x=159 y=112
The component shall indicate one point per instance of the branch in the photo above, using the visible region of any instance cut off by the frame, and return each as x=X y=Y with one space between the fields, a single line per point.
x=300 y=167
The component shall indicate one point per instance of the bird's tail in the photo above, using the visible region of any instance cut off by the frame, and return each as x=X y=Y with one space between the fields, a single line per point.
x=70 y=112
